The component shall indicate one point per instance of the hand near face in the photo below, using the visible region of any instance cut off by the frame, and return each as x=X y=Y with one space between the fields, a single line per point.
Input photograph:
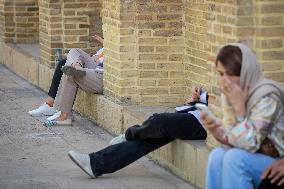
x=234 y=93
x=275 y=172
x=195 y=94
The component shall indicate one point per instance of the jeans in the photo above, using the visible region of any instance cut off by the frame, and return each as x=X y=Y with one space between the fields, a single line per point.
x=157 y=131
x=56 y=79
x=235 y=168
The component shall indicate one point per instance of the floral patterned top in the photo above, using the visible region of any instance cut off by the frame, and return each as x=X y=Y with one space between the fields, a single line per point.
x=259 y=124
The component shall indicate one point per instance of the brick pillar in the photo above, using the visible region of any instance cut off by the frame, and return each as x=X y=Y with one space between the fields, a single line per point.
x=120 y=76
x=50 y=27
x=26 y=21
x=19 y=21
x=2 y=19
x=160 y=48
x=144 y=51
x=269 y=38
x=67 y=24
x=7 y=21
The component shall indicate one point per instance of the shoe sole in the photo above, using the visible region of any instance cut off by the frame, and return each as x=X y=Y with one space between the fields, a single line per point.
x=79 y=165
x=71 y=71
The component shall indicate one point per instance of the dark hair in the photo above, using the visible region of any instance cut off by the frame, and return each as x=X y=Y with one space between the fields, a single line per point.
x=231 y=58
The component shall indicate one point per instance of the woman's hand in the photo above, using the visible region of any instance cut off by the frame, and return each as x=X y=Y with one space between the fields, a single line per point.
x=195 y=94
x=236 y=96
x=209 y=123
x=275 y=172
x=214 y=127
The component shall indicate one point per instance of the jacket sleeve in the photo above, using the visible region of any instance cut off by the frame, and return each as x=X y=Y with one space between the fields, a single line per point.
x=250 y=133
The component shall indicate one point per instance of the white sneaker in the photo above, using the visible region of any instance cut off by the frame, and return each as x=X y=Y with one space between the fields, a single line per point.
x=44 y=109
x=83 y=161
x=66 y=122
x=118 y=139
x=55 y=116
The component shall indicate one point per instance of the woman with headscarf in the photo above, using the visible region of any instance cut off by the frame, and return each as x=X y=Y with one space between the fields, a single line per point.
x=252 y=128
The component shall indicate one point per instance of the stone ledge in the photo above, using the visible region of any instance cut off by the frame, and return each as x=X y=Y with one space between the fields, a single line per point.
x=23 y=59
x=187 y=159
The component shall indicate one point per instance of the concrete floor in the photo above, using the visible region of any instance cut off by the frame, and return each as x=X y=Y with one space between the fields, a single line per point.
x=32 y=156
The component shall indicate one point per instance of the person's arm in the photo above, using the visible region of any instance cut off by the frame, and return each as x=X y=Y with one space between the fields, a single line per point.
x=195 y=95
x=275 y=172
x=99 y=39
x=250 y=133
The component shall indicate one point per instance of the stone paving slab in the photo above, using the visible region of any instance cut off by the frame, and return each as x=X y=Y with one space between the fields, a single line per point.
x=32 y=156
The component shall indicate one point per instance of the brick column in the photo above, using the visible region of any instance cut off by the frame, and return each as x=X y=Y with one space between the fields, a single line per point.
x=269 y=40
x=160 y=48
x=7 y=21
x=2 y=17
x=120 y=76
x=26 y=21
x=19 y=21
x=144 y=52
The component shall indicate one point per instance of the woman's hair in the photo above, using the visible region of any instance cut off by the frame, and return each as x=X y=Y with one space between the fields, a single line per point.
x=231 y=58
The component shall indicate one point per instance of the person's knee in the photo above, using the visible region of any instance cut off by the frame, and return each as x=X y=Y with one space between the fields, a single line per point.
x=216 y=156
x=234 y=158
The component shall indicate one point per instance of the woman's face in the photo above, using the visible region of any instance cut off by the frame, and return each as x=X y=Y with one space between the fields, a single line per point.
x=224 y=75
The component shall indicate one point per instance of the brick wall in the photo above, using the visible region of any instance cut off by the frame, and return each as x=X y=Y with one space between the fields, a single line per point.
x=8 y=25
x=160 y=48
x=26 y=21
x=2 y=17
x=68 y=24
x=144 y=51
x=120 y=76
x=19 y=21
x=269 y=40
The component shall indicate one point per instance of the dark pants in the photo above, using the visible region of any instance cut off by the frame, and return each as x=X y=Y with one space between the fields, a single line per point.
x=56 y=79
x=265 y=184
x=157 y=131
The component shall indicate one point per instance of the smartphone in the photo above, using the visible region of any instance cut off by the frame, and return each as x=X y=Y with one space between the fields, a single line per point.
x=204 y=108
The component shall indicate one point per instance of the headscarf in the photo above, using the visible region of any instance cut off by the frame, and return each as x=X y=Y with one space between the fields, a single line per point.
x=252 y=76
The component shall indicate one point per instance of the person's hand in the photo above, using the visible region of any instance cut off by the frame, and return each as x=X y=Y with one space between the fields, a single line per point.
x=98 y=38
x=275 y=172
x=236 y=96
x=195 y=94
x=210 y=123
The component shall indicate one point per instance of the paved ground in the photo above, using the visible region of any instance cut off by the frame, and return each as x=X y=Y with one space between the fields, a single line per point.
x=32 y=156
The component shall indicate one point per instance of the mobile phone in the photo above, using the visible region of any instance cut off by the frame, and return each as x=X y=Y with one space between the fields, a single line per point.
x=205 y=109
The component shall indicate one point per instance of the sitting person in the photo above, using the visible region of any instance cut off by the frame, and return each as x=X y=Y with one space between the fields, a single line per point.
x=157 y=131
x=80 y=70
x=252 y=128
x=47 y=108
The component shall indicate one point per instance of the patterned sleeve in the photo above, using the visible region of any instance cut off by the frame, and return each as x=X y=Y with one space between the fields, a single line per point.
x=250 y=133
